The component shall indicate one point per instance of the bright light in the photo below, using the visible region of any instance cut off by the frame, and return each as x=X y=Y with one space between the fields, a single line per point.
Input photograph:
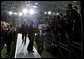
x=49 y=12
x=57 y=13
x=10 y=12
x=20 y=14
x=36 y=3
x=25 y=11
x=43 y=34
x=15 y=13
x=31 y=11
x=53 y=13
x=34 y=6
x=35 y=34
x=45 y=12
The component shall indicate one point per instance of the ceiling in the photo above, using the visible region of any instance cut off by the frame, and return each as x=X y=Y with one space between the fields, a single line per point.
x=43 y=5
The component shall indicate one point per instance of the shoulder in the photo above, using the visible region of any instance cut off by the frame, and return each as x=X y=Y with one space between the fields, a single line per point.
x=73 y=10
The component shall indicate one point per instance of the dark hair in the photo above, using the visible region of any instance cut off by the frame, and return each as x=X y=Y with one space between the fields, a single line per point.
x=58 y=16
x=11 y=25
x=61 y=14
x=76 y=7
x=69 y=5
x=67 y=11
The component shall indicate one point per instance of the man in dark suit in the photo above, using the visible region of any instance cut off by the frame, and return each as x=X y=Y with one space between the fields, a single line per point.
x=24 y=32
x=31 y=37
x=9 y=39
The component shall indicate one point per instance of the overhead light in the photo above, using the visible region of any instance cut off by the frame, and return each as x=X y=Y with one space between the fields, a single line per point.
x=31 y=11
x=34 y=6
x=45 y=12
x=20 y=14
x=10 y=12
x=35 y=34
x=15 y=13
x=49 y=12
x=25 y=11
x=36 y=3
x=53 y=13
x=57 y=13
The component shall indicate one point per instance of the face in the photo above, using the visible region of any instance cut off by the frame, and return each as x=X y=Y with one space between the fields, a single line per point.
x=68 y=12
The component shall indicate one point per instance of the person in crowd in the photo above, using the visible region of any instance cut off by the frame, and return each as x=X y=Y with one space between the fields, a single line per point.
x=24 y=30
x=14 y=38
x=2 y=35
x=49 y=34
x=40 y=41
x=9 y=39
x=75 y=22
x=31 y=37
x=76 y=8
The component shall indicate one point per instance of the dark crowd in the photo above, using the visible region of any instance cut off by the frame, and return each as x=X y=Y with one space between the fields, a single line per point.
x=8 y=35
x=64 y=28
